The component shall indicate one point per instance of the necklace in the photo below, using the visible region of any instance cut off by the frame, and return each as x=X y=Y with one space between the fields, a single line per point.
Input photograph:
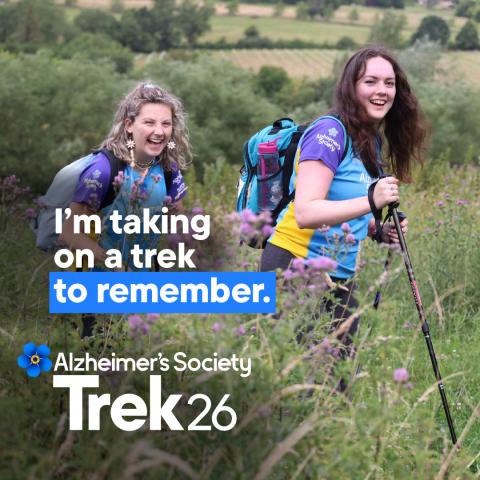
x=144 y=165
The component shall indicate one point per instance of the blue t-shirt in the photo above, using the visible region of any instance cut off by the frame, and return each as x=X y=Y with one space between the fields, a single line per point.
x=325 y=141
x=135 y=192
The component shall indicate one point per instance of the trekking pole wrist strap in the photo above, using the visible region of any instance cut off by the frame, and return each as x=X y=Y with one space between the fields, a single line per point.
x=377 y=214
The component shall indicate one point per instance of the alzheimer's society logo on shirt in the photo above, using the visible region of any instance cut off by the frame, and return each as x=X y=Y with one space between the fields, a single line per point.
x=333 y=132
x=327 y=141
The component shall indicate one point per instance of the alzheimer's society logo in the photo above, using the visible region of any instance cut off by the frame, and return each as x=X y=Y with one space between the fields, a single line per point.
x=35 y=359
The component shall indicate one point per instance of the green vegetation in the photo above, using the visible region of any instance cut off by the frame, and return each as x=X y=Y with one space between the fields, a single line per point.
x=57 y=104
x=386 y=426
x=388 y=31
x=433 y=28
x=467 y=38
x=232 y=28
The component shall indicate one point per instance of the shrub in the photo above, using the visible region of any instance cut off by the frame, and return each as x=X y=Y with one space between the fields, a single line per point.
x=467 y=37
x=434 y=28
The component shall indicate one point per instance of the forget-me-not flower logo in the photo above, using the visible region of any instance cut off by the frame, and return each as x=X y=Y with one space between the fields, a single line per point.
x=35 y=359
x=333 y=132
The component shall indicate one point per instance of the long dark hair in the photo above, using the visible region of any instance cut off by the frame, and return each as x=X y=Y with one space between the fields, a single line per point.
x=404 y=126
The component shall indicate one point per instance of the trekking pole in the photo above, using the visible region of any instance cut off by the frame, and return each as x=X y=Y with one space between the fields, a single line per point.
x=392 y=209
x=378 y=295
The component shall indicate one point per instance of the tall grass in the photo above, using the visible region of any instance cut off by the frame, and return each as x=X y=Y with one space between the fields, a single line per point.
x=292 y=423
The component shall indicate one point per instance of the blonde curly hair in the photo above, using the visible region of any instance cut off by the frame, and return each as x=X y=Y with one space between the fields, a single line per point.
x=147 y=92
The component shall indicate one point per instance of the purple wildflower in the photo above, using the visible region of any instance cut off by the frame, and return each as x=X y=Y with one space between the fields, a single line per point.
x=462 y=202
x=322 y=263
x=288 y=274
x=440 y=203
x=167 y=200
x=324 y=228
x=152 y=317
x=197 y=211
x=350 y=239
x=264 y=411
x=119 y=179
x=247 y=230
x=240 y=331
x=298 y=264
x=30 y=213
x=134 y=321
x=326 y=344
x=400 y=375
x=247 y=216
x=345 y=228
x=216 y=327
x=267 y=230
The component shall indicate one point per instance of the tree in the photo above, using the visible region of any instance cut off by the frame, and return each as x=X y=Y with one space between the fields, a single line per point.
x=467 y=37
x=251 y=32
x=66 y=109
x=232 y=7
x=167 y=25
x=433 y=27
x=385 y=3
x=98 y=47
x=388 y=31
x=302 y=11
x=194 y=19
x=321 y=8
x=465 y=8
x=421 y=59
x=131 y=35
x=8 y=22
x=96 y=21
x=270 y=80
x=36 y=23
x=279 y=8
x=116 y=6
x=353 y=15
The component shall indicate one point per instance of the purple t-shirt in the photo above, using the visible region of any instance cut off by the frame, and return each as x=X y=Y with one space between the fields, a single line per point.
x=92 y=186
x=324 y=141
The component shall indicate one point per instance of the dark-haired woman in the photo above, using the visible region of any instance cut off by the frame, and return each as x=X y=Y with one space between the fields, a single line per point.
x=375 y=125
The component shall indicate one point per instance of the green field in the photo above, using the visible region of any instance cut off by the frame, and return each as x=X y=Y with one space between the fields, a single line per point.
x=318 y=63
x=232 y=28
x=286 y=28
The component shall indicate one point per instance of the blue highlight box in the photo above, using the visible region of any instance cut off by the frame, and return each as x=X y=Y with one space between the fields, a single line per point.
x=162 y=292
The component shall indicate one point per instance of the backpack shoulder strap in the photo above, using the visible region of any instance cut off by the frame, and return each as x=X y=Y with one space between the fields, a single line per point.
x=116 y=165
x=288 y=197
x=168 y=174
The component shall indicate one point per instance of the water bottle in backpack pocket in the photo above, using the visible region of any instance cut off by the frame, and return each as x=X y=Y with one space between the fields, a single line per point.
x=269 y=176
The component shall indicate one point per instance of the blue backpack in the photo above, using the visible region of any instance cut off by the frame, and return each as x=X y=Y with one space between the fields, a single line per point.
x=269 y=158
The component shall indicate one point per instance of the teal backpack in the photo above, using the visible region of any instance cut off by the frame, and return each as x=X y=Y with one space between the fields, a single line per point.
x=269 y=158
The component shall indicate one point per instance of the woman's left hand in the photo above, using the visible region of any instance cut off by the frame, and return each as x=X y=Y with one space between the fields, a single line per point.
x=390 y=232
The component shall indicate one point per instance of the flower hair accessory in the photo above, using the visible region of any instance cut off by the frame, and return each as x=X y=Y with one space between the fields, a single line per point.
x=171 y=145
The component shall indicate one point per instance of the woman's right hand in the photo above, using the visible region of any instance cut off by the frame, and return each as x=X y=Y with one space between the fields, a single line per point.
x=386 y=192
